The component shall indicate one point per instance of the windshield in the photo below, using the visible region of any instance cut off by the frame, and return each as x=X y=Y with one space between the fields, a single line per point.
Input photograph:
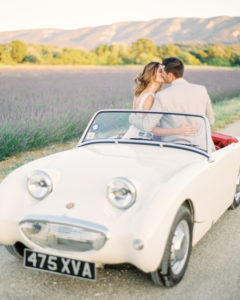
x=153 y=127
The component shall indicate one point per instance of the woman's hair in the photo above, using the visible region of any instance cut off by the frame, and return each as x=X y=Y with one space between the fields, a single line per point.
x=145 y=77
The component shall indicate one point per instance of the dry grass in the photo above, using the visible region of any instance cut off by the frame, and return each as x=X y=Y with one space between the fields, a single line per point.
x=226 y=112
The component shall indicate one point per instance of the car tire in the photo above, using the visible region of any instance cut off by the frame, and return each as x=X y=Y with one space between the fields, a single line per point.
x=15 y=250
x=236 y=200
x=177 y=251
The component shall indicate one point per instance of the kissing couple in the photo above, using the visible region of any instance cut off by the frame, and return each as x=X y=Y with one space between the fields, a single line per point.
x=180 y=97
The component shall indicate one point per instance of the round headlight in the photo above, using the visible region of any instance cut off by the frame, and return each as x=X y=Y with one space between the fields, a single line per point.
x=121 y=193
x=39 y=184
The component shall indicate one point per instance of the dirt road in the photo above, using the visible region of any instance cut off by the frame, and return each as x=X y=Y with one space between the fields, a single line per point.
x=232 y=129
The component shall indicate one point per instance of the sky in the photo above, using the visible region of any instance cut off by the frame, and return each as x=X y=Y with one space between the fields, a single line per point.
x=73 y=14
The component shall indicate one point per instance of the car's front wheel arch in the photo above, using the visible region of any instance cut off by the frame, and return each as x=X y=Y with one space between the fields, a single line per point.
x=189 y=204
x=177 y=251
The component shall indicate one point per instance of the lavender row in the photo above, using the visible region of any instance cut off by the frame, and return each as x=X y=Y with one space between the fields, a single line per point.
x=43 y=106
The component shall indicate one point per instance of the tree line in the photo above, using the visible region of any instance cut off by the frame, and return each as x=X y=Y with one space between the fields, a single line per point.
x=140 y=52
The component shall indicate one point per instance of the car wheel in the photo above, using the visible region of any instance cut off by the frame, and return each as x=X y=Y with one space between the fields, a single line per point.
x=15 y=250
x=177 y=251
x=236 y=200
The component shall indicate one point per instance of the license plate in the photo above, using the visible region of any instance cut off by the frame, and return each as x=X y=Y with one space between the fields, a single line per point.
x=59 y=265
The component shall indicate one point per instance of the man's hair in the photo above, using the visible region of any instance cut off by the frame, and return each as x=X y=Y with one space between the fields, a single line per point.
x=174 y=65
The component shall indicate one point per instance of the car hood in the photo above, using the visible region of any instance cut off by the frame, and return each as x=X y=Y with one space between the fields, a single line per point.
x=97 y=162
x=81 y=175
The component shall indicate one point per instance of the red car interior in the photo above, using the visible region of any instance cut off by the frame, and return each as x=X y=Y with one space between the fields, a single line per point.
x=222 y=140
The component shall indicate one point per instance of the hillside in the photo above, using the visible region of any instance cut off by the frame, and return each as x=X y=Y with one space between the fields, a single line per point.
x=223 y=29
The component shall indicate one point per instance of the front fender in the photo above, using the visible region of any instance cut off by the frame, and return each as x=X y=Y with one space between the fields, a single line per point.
x=152 y=223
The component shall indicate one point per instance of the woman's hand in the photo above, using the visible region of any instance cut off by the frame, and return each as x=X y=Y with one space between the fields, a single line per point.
x=186 y=129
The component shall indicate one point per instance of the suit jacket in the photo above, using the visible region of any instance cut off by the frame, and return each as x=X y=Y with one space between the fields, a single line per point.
x=182 y=97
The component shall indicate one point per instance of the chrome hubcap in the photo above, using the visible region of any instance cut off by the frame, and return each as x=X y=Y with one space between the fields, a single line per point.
x=237 y=192
x=179 y=247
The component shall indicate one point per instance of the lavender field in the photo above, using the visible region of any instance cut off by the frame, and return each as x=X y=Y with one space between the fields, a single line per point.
x=40 y=106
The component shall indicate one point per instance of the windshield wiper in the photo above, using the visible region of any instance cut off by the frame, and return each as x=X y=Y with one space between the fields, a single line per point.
x=187 y=144
x=141 y=139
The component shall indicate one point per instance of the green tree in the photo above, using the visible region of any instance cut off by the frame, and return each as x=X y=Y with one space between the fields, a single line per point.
x=102 y=49
x=19 y=51
x=200 y=54
x=124 y=51
x=5 y=55
x=189 y=59
x=140 y=52
x=30 y=59
x=1 y=53
x=103 y=52
x=216 y=50
x=218 y=61
x=47 y=58
x=114 y=57
x=143 y=51
x=235 y=59
x=169 y=50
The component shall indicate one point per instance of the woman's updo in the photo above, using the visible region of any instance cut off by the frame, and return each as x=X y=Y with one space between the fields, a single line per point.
x=145 y=77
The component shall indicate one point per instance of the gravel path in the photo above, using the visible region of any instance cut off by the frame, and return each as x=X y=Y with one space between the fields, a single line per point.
x=232 y=129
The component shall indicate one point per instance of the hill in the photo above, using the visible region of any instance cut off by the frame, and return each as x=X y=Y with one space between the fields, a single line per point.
x=222 y=29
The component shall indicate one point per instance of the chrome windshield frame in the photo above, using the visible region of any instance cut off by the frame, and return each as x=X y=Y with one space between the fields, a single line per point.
x=207 y=153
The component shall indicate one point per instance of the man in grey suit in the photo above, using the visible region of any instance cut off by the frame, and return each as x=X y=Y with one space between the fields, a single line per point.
x=181 y=97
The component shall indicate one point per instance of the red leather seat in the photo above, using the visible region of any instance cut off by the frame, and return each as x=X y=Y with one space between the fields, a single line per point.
x=222 y=140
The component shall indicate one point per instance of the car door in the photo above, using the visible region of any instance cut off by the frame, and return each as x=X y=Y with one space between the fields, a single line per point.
x=222 y=175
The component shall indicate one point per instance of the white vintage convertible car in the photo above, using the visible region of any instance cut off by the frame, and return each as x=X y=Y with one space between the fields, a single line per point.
x=123 y=195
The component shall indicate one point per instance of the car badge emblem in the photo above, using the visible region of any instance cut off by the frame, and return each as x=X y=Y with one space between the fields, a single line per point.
x=70 y=205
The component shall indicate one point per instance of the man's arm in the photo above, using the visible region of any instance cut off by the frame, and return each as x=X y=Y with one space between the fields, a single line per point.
x=209 y=110
x=149 y=121
x=184 y=129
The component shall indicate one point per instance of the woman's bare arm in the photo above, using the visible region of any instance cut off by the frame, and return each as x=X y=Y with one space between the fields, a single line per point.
x=135 y=103
x=148 y=103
